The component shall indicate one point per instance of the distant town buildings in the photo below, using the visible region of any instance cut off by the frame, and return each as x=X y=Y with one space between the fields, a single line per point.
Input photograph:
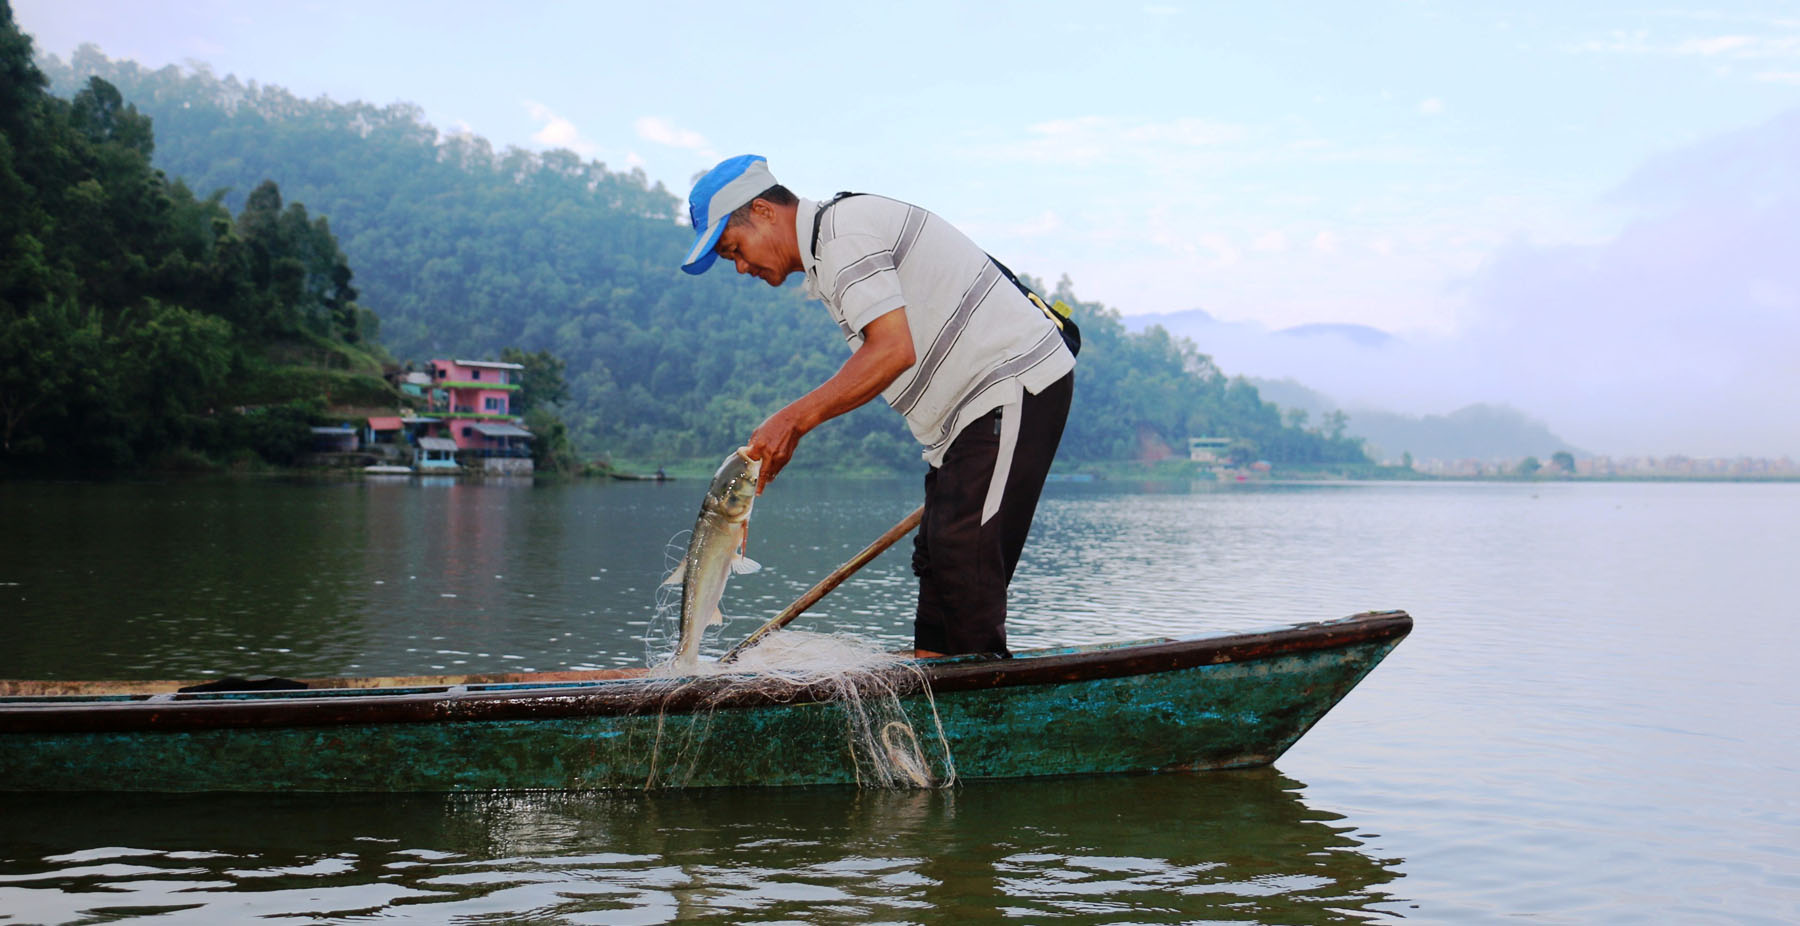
x=1602 y=466
x=472 y=400
x=1209 y=451
x=470 y=422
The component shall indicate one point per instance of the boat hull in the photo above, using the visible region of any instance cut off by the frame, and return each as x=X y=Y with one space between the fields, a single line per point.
x=1207 y=703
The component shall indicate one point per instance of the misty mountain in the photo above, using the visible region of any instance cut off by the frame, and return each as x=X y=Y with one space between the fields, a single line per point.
x=1360 y=335
x=1480 y=431
x=1350 y=362
x=1305 y=366
x=1199 y=326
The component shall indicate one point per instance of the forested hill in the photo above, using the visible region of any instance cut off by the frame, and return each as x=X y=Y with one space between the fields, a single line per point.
x=463 y=250
x=140 y=324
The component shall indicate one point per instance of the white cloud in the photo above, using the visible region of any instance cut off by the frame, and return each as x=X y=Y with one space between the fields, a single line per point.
x=1223 y=250
x=1185 y=132
x=663 y=132
x=1085 y=141
x=1271 y=242
x=1325 y=242
x=1736 y=46
x=660 y=131
x=204 y=47
x=1431 y=107
x=1045 y=223
x=1742 y=46
x=1636 y=42
x=1326 y=151
x=558 y=132
x=1718 y=45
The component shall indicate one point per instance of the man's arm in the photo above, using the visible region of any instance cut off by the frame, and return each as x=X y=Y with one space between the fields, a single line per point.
x=886 y=352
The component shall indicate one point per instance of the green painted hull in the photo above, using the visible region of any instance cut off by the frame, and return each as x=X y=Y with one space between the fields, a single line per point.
x=1221 y=702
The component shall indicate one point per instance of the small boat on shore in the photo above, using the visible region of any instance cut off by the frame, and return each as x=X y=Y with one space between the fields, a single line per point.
x=1166 y=704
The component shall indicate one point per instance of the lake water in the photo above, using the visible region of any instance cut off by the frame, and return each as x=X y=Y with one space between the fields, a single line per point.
x=1594 y=720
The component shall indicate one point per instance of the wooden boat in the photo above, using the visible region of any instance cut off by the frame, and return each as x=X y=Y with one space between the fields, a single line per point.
x=1192 y=703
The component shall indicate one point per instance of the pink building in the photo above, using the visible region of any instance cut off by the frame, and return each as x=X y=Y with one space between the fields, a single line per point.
x=474 y=400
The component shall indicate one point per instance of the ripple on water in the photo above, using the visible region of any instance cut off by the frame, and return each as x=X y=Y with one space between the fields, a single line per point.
x=1169 y=848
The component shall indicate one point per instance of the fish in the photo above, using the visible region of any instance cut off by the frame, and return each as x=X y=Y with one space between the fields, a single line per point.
x=715 y=552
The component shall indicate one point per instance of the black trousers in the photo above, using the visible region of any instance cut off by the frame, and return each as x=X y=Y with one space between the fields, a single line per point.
x=964 y=564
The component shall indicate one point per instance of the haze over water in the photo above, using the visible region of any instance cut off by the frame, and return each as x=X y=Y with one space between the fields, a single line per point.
x=1590 y=724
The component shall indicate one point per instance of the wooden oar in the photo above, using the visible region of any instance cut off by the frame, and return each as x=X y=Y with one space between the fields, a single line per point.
x=830 y=582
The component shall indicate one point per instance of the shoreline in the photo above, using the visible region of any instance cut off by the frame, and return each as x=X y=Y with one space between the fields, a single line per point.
x=1094 y=472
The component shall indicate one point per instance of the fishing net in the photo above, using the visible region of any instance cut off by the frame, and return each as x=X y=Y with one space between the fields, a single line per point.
x=663 y=634
x=869 y=683
x=871 y=688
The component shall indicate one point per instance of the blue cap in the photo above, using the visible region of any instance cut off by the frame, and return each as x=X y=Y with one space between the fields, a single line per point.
x=726 y=187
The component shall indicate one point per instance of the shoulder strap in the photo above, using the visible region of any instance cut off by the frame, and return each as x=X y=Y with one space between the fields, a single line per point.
x=821 y=214
x=1058 y=312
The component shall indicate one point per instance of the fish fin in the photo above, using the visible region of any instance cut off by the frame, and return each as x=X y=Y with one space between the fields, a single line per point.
x=715 y=618
x=679 y=574
x=741 y=565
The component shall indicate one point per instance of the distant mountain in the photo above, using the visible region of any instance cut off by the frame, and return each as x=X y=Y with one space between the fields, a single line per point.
x=1480 y=431
x=1291 y=393
x=1185 y=323
x=1336 y=352
x=1361 y=335
x=1275 y=361
x=1200 y=326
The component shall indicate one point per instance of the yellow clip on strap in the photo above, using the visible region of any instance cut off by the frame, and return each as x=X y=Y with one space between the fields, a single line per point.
x=1056 y=311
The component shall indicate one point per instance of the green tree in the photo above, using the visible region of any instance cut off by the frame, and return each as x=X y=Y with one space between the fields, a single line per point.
x=541 y=383
x=1334 y=424
x=133 y=316
x=278 y=433
x=551 y=449
x=49 y=364
x=21 y=83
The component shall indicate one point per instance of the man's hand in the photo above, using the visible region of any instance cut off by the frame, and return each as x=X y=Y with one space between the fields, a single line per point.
x=773 y=443
x=886 y=352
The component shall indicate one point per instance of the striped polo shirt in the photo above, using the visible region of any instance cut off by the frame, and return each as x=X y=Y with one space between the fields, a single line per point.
x=979 y=343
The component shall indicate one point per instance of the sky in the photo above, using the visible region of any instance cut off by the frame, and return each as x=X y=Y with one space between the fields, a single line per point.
x=1587 y=211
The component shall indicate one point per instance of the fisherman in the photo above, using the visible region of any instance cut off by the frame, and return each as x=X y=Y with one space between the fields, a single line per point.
x=942 y=332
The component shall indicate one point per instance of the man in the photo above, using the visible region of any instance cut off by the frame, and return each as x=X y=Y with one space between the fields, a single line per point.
x=937 y=329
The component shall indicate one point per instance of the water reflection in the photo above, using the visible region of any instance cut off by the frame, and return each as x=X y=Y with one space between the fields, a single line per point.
x=1239 y=847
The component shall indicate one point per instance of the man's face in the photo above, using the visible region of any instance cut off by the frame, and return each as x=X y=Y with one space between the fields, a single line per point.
x=755 y=247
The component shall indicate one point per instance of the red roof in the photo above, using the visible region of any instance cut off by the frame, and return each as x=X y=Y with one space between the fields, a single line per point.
x=384 y=424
